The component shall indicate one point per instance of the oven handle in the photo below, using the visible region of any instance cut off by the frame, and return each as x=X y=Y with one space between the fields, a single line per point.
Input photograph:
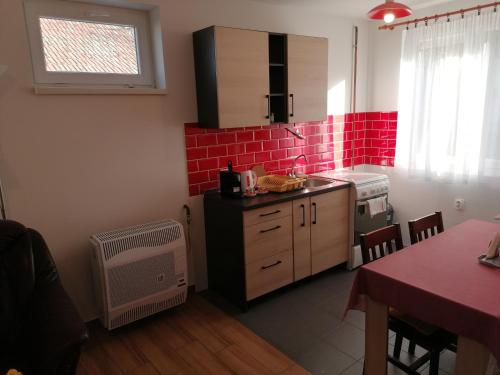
x=364 y=202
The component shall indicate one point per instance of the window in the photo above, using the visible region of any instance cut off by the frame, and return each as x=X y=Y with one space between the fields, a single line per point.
x=88 y=47
x=449 y=118
x=85 y=45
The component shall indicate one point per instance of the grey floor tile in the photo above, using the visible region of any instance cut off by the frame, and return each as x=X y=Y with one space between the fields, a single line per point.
x=348 y=339
x=356 y=318
x=294 y=343
x=315 y=292
x=355 y=369
x=336 y=305
x=426 y=372
x=393 y=370
x=447 y=361
x=324 y=359
x=320 y=323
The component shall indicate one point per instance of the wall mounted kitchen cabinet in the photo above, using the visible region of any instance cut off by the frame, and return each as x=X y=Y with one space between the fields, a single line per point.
x=307 y=78
x=246 y=77
x=232 y=77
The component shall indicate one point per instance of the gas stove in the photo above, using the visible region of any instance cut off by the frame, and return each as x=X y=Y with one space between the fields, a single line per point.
x=365 y=185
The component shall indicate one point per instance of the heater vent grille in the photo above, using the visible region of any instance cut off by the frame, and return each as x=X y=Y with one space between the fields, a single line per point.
x=139 y=271
x=144 y=277
x=142 y=311
x=146 y=235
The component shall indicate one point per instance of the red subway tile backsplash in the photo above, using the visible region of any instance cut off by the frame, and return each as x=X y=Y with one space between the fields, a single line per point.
x=208 y=164
x=262 y=135
x=253 y=147
x=328 y=145
x=206 y=139
x=217 y=151
x=196 y=153
x=225 y=138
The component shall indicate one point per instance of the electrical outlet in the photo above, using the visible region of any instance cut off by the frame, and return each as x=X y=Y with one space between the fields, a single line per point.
x=459 y=203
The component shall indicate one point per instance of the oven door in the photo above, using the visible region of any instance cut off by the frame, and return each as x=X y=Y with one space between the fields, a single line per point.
x=363 y=222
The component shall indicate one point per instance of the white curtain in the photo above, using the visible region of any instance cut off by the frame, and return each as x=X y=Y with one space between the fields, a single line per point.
x=449 y=99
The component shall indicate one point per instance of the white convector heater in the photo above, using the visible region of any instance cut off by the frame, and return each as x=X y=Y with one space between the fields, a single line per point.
x=139 y=271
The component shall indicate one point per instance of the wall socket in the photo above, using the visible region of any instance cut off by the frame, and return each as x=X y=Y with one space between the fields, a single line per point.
x=459 y=203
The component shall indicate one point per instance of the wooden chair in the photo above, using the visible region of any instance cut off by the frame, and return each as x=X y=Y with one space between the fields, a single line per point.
x=420 y=230
x=375 y=245
x=425 y=227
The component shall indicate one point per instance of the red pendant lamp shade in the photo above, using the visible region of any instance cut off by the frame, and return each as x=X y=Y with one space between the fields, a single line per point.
x=397 y=9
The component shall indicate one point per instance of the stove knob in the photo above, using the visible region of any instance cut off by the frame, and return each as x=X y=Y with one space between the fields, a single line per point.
x=372 y=191
x=363 y=193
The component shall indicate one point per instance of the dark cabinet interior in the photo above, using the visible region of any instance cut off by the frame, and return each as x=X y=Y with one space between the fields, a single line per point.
x=278 y=78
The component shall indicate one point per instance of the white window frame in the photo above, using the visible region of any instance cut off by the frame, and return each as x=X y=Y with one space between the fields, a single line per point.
x=88 y=12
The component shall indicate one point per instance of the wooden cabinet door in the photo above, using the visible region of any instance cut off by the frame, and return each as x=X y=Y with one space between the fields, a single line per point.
x=307 y=78
x=242 y=61
x=301 y=238
x=329 y=229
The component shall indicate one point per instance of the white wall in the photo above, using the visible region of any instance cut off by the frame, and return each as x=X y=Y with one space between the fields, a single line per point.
x=413 y=198
x=75 y=165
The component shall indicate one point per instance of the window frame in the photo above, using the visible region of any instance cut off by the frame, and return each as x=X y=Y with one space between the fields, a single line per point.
x=94 y=13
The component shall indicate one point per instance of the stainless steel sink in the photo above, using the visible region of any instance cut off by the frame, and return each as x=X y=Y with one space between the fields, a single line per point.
x=313 y=182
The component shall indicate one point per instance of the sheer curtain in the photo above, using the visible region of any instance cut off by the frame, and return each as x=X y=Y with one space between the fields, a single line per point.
x=449 y=99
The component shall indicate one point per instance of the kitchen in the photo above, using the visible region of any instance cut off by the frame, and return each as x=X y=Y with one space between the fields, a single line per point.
x=150 y=155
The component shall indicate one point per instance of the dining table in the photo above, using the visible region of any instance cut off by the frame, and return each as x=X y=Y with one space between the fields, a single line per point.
x=441 y=282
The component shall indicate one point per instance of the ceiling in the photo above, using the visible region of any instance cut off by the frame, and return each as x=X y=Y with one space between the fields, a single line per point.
x=350 y=8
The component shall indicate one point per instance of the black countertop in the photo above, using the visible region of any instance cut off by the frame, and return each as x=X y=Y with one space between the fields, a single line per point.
x=258 y=201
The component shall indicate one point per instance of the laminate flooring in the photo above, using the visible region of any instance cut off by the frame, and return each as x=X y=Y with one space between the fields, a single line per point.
x=195 y=338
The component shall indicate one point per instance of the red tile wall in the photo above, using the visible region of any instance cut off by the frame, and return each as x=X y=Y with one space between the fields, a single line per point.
x=327 y=145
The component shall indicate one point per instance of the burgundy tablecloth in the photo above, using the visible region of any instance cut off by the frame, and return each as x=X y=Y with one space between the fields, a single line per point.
x=441 y=282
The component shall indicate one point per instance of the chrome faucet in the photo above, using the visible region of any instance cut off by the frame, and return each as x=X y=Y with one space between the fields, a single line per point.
x=294 y=166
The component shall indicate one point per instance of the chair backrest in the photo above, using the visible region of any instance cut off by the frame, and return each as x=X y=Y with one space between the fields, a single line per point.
x=425 y=227
x=376 y=244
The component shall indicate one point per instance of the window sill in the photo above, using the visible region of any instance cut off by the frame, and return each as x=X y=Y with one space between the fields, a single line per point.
x=75 y=90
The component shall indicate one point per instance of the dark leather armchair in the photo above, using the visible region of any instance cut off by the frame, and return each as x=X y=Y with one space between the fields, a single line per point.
x=40 y=329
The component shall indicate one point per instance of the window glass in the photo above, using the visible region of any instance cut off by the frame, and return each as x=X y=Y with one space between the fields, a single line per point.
x=75 y=46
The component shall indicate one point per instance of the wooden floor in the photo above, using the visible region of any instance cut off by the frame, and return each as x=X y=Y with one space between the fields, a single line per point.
x=196 y=338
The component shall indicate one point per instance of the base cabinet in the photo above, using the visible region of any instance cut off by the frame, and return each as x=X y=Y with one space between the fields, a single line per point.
x=329 y=230
x=301 y=238
x=253 y=252
x=269 y=274
x=320 y=232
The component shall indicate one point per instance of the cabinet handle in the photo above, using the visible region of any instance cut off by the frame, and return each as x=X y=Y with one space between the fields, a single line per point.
x=270 y=213
x=303 y=215
x=315 y=216
x=271 y=265
x=268 y=230
x=291 y=114
x=268 y=97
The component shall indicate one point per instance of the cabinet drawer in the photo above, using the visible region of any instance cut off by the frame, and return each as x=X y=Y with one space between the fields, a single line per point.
x=263 y=214
x=269 y=274
x=268 y=238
